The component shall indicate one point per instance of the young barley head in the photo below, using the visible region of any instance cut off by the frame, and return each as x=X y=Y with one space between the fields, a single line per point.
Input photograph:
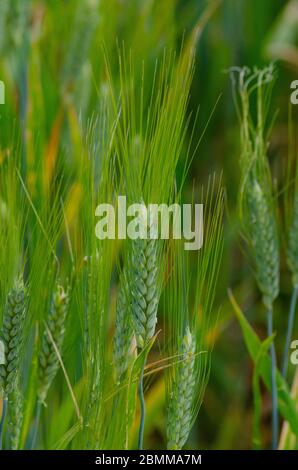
x=53 y=334
x=15 y=406
x=257 y=202
x=12 y=336
x=180 y=408
x=264 y=239
x=145 y=293
x=123 y=331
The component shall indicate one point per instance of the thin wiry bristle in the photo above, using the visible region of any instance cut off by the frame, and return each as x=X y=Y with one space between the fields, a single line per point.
x=182 y=395
x=54 y=333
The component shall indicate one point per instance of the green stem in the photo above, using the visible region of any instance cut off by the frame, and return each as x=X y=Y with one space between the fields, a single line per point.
x=273 y=383
x=2 y=422
x=36 y=425
x=291 y=320
x=142 y=403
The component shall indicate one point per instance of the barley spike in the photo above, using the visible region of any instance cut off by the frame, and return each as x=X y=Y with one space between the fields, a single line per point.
x=264 y=239
x=123 y=332
x=48 y=360
x=144 y=289
x=182 y=395
x=11 y=336
x=15 y=405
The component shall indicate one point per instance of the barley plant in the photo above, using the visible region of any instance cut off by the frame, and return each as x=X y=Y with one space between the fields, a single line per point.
x=139 y=144
x=52 y=341
x=145 y=299
x=258 y=212
x=10 y=369
x=258 y=208
x=181 y=397
x=123 y=335
x=50 y=354
x=186 y=340
x=15 y=407
x=11 y=334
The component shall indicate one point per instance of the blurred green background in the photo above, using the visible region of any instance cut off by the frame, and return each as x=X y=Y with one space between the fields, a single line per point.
x=52 y=62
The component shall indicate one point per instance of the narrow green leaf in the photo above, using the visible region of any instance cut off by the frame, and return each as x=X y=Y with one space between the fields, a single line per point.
x=257 y=442
x=287 y=406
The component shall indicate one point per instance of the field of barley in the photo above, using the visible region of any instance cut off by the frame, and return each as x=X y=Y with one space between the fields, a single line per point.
x=115 y=342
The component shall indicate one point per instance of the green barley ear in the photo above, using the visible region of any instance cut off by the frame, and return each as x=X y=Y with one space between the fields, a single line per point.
x=15 y=406
x=11 y=336
x=263 y=234
x=144 y=287
x=257 y=202
x=123 y=331
x=180 y=409
x=54 y=333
